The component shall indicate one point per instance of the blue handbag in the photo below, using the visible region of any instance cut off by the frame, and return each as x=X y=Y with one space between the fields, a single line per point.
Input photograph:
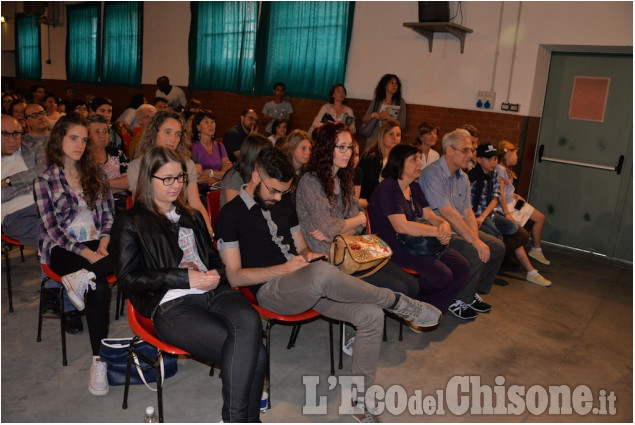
x=115 y=353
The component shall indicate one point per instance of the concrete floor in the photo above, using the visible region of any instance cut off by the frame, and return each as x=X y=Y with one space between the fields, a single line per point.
x=577 y=332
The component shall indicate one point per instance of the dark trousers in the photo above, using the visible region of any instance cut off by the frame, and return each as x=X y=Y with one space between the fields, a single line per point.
x=64 y=262
x=221 y=327
x=391 y=276
x=440 y=279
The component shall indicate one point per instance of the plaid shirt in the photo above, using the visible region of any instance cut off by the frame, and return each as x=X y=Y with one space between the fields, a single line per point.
x=33 y=155
x=57 y=209
x=483 y=202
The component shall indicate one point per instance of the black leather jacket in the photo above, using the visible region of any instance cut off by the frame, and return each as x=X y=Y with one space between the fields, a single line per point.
x=147 y=255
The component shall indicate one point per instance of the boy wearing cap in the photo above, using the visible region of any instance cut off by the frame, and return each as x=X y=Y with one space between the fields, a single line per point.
x=485 y=189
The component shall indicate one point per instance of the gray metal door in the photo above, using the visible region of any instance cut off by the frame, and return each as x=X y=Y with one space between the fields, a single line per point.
x=582 y=179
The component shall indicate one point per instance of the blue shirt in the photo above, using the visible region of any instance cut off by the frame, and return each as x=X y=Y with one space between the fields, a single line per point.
x=442 y=188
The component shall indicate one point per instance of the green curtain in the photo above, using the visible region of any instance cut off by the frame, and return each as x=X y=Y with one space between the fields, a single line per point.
x=122 y=52
x=82 y=42
x=222 y=44
x=28 y=62
x=297 y=40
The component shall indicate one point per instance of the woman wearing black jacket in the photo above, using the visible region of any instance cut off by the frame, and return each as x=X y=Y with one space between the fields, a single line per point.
x=167 y=265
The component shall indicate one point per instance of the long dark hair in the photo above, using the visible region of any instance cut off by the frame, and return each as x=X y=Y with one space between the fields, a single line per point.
x=380 y=90
x=251 y=147
x=152 y=160
x=321 y=163
x=91 y=177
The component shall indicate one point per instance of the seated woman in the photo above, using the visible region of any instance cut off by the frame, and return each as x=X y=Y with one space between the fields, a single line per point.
x=427 y=138
x=278 y=130
x=168 y=266
x=387 y=104
x=127 y=117
x=394 y=206
x=374 y=158
x=113 y=166
x=297 y=147
x=327 y=206
x=358 y=178
x=16 y=110
x=208 y=152
x=166 y=129
x=75 y=206
x=336 y=110
x=50 y=104
x=515 y=206
x=240 y=173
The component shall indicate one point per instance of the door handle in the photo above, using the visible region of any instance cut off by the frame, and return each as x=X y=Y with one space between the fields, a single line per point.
x=617 y=168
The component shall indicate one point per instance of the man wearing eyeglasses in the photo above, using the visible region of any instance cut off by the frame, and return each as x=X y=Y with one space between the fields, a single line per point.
x=233 y=139
x=38 y=123
x=22 y=161
x=447 y=189
x=261 y=244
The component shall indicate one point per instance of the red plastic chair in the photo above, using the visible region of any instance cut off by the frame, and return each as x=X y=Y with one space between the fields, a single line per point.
x=50 y=274
x=129 y=202
x=144 y=329
x=213 y=206
x=9 y=243
x=294 y=319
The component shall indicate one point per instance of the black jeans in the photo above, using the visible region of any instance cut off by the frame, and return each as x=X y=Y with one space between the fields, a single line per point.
x=64 y=262
x=221 y=327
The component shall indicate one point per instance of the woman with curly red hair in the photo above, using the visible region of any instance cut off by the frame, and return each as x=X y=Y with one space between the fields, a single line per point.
x=76 y=207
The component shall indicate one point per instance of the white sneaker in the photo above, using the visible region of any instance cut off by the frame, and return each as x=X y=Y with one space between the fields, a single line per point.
x=538 y=256
x=538 y=279
x=98 y=382
x=76 y=285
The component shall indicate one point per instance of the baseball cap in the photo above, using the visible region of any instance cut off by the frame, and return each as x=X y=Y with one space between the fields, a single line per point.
x=486 y=150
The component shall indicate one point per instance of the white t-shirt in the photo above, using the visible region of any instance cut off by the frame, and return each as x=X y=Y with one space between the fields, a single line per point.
x=175 y=98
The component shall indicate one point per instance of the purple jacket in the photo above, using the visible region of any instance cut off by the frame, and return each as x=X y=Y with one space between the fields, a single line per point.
x=57 y=208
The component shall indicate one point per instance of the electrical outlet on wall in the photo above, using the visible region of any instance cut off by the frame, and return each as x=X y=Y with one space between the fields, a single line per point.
x=485 y=99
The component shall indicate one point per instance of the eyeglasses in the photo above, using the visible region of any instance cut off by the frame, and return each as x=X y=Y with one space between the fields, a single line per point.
x=344 y=148
x=35 y=115
x=169 y=181
x=15 y=134
x=80 y=109
x=464 y=151
x=273 y=192
x=247 y=117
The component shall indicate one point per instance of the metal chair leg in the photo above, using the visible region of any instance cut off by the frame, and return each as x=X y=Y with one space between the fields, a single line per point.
x=62 y=326
x=331 y=347
x=268 y=375
x=22 y=252
x=295 y=330
x=157 y=368
x=39 y=321
x=5 y=251
x=340 y=365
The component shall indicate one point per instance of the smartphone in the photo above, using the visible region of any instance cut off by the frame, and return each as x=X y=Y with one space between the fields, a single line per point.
x=519 y=204
x=318 y=259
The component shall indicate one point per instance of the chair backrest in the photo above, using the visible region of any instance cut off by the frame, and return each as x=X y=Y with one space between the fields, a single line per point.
x=129 y=202
x=213 y=206
x=50 y=273
x=143 y=328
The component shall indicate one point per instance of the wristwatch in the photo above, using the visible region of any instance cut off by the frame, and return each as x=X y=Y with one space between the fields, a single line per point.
x=8 y=180
x=211 y=173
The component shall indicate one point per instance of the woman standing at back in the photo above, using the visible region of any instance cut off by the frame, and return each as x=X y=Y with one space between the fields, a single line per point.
x=387 y=104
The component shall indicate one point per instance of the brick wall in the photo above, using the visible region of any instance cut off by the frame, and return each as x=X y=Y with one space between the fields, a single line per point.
x=227 y=107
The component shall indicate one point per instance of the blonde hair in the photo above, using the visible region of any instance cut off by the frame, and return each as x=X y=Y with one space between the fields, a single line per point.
x=505 y=146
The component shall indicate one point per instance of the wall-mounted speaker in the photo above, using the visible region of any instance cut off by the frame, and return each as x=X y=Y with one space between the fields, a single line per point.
x=434 y=11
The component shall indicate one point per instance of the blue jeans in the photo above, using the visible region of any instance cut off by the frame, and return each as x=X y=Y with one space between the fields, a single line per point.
x=221 y=327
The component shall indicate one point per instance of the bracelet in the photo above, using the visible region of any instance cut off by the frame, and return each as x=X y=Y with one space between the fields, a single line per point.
x=211 y=173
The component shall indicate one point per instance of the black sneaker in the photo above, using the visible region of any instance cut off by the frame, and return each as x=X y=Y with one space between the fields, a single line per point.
x=461 y=310
x=479 y=306
x=50 y=301
x=73 y=322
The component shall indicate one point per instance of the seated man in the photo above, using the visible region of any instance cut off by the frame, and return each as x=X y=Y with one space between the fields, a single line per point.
x=233 y=139
x=175 y=96
x=261 y=244
x=142 y=116
x=38 y=124
x=22 y=161
x=447 y=190
x=485 y=197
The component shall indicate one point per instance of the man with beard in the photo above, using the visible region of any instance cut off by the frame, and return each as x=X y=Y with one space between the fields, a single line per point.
x=261 y=244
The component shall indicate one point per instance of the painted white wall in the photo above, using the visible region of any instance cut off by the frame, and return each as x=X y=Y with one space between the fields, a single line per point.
x=380 y=44
x=445 y=77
